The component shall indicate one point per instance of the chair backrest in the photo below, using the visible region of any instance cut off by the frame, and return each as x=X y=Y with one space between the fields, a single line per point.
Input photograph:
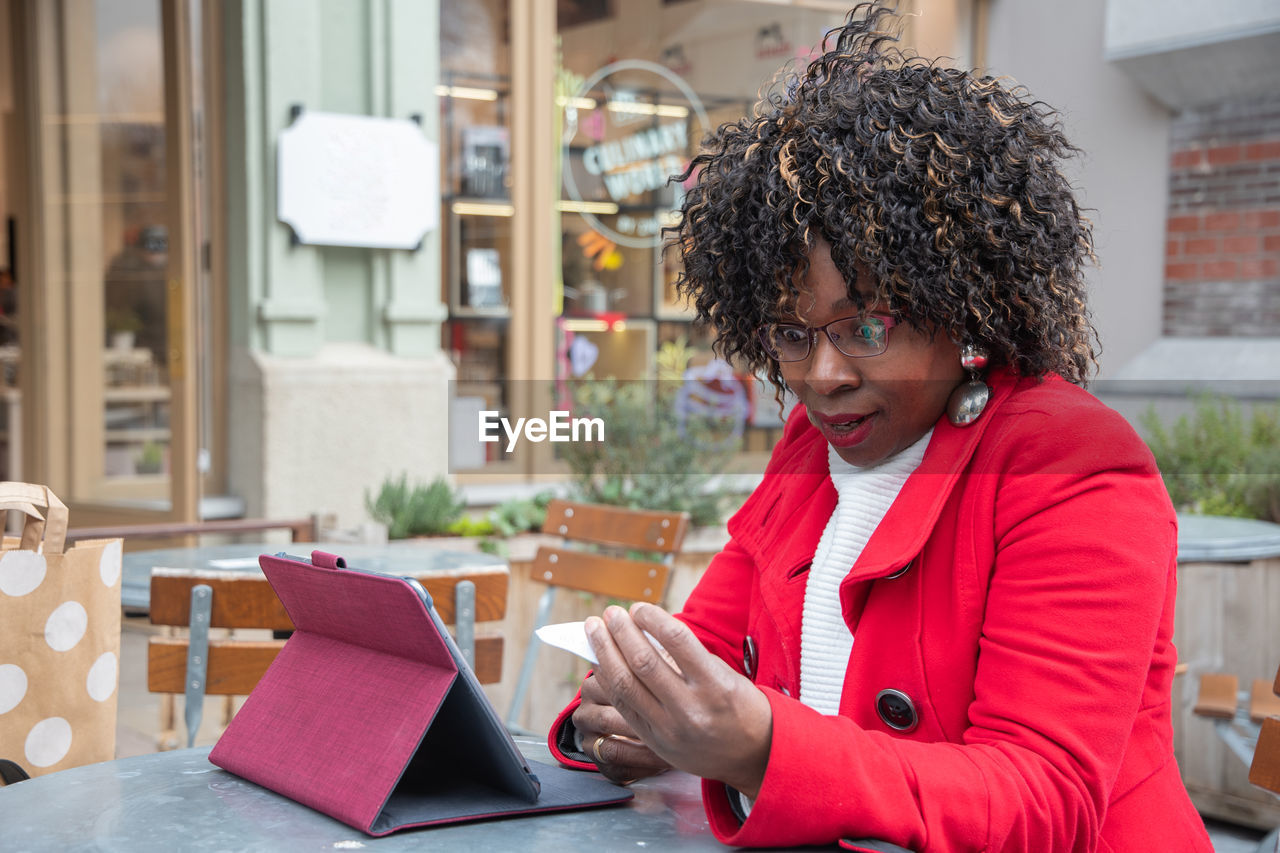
x=233 y=666
x=600 y=547
x=608 y=551
x=1264 y=771
x=1217 y=696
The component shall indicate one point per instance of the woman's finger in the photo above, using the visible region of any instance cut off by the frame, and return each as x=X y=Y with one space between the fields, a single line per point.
x=680 y=646
x=622 y=775
x=711 y=720
x=601 y=719
x=614 y=750
x=613 y=670
x=648 y=664
x=595 y=713
x=621 y=758
x=593 y=692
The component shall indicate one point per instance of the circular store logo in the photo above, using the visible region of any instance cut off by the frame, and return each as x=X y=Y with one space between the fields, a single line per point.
x=630 y=127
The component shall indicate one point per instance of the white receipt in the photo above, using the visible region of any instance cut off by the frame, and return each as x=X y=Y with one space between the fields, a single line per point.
x=572 y=637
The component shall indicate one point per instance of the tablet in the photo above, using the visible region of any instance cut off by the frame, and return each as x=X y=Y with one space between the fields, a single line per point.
x=371 y=715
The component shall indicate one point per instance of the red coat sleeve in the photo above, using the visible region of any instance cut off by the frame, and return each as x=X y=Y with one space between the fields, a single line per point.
x=561 y=737
x=1080 y=593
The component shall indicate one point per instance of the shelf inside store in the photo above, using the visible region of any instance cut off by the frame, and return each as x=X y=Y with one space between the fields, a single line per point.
x=135 y=436
x=135 y=394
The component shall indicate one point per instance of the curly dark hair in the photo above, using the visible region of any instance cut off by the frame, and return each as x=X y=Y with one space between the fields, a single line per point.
x=944 y=185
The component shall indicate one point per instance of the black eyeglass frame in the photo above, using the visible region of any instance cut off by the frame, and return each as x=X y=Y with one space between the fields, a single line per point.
x=812 y=332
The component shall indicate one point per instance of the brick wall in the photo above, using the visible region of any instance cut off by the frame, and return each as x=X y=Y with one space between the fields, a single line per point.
x=1222 y=253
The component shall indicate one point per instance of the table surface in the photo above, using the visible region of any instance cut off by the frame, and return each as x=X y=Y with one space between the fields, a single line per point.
x=403 y=557
x=178 y=800
x=1215 y=538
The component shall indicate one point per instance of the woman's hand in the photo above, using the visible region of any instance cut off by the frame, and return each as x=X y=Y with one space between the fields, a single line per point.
x=609 y=740
x=701 y=716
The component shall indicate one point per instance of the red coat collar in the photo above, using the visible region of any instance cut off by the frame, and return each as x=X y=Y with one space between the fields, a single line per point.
x=783 y=533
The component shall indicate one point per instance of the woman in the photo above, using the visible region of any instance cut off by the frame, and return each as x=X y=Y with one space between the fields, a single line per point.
x=944 y=618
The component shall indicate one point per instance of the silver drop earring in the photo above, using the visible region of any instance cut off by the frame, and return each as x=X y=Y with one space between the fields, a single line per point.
x=970 y=398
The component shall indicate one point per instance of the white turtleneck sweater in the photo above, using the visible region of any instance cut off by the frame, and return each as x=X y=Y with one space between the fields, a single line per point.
x=865 y=495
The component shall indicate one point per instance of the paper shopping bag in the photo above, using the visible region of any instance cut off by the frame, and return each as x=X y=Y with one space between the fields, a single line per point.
x=59 y=639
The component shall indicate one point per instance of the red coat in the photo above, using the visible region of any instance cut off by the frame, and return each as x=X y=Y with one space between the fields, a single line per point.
x=1018 y=595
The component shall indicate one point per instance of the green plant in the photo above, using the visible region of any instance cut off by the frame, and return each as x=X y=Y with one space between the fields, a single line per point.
x=150 y=458
x=1217 y=461
x=1261 y=488
x=651 y=458
x=469 y=526
x=508 y=518
x=520 y=515
x=418 y=510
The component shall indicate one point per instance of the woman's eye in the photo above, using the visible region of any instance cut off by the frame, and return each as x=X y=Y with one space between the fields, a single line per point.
x=791 y=335
x=866 y=329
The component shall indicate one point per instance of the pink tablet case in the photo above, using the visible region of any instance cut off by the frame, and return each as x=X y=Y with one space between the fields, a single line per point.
x=369 y=715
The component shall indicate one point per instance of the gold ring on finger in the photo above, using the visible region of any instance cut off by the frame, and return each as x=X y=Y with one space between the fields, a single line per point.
x=595 y=748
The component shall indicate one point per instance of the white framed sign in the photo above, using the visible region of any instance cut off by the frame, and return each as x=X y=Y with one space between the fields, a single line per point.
x=347 y=180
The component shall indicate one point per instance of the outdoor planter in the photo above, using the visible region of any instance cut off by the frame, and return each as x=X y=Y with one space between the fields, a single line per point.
x=1227 y=620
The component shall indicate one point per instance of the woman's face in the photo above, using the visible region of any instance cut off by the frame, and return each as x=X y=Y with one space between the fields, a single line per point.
x=867 y=408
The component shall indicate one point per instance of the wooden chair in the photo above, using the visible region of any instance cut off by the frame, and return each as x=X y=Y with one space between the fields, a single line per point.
x=1264 y=770
x=195 y=665
x=1217 y=697
x=621 y=553
x=1248 y=722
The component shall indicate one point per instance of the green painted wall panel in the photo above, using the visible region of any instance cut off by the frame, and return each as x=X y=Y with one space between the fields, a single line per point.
x=346 y=295
x=378 y=57
x=345 y=47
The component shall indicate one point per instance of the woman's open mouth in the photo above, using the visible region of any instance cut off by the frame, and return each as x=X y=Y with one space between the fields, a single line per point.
x=845 y=430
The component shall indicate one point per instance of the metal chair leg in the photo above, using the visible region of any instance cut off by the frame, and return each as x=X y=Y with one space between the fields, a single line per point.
x=197 y=658
x=530 y=658
x=464 y=621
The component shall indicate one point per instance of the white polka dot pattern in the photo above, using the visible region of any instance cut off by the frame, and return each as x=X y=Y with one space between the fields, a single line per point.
x=66 y=626
x=48 y=742
x=21 y=572
x=13 y=686
x=59 y=654
x=110 y=563
x=102 y=680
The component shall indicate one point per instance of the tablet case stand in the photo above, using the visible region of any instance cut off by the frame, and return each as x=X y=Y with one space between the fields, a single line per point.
x=369 y=715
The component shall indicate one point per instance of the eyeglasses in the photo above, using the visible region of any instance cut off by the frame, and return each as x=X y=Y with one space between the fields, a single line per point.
x=856 y=337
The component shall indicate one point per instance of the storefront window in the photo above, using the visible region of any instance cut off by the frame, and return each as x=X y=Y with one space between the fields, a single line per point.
x=639 y=84
x=105 y=246
x=640 y=89
x=135 y=240
x=475 y=96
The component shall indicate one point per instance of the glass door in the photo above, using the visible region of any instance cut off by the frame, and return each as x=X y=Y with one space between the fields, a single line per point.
x=111 y=226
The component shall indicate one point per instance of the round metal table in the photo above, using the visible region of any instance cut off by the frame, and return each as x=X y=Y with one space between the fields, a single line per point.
x=179 y=801
x=1221 y=539
x=408 y=557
